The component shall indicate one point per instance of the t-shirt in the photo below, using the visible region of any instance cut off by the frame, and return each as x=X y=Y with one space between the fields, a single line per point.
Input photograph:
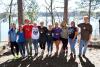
x=64 y=33
x=35 y=33
x=42 y=32
x=49 y=35
x=12 y=35
x=56 y=33
x=21 y=37
x=86 y=30
x=27 y=31
x=71 y=31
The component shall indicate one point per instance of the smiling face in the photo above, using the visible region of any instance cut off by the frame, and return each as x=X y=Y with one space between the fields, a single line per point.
x=72 y=24
x=56 y=25
x=41 y=24
x=86 y=19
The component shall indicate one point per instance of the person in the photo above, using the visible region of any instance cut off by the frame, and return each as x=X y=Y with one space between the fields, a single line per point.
x=35 y=37
x=86 y=31
x=27 y=28
x=12 y=40
x=56 y=37
x=42 y=38
x=72 y=38
x=49 y=40
x=64 y=37
x=21 y=41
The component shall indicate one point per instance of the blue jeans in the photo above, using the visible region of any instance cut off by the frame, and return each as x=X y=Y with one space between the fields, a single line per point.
x=72 y=45
x=35 y=43
x=50 y=45
x=22 y=48
x=83 y=43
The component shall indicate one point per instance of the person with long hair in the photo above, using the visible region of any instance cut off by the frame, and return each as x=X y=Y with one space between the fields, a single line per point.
x=21 y=41
x=56 y=36
x=64 y=37
x=72 y=38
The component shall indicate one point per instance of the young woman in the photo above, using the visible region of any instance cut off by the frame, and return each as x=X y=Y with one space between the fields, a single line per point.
x=49 y=40
x=12 y=40
x=72 y=38
x=56 y=36
x=42 y=37
x=35 y=37
x=64 y=37
x=21 y=41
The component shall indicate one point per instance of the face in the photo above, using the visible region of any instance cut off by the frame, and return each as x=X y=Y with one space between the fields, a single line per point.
x=35 y=24
x=63 y=24
x=42 y=23
x=14 y=25
x=50 y=27
x=56 y=24
x=20 y=28
x=86 y=19
x=72 y=24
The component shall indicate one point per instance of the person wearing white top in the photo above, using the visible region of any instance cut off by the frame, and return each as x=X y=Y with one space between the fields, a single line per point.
x=35 y=37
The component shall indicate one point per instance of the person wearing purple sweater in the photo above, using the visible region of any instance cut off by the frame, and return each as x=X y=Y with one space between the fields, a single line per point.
x=56 y=36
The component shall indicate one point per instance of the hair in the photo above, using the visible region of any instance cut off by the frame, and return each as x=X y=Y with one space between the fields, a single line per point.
x=73 y=22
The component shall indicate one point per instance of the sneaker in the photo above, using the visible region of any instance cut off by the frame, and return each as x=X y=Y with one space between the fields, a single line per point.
x=84 y=55
x=79 y=55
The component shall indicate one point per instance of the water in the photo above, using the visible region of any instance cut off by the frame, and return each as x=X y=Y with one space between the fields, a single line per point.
x=4 y=26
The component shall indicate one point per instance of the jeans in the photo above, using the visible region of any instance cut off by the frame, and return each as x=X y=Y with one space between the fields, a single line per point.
x=65 y=43
x=29 y=46
x=14 y=44
x=83 y=43
x=22 y=48
x=50 y=45
x=72 y=45
x=35 y=44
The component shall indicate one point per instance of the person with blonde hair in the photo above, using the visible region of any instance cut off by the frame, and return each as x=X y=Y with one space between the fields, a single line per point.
x=56 y=36
x=64 y=37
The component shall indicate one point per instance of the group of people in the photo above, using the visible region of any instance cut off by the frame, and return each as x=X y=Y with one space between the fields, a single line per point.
x=22 y=38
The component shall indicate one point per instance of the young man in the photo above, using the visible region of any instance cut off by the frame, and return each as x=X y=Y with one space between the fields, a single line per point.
x=27 y=28
x=35 y=38
x=42 y=38
x=86 y=31
x=12 y=40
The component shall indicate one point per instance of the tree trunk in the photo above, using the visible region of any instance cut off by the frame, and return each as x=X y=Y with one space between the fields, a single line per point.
x=89 y=10
x=51 y=12
x=65 y=19
x=20 y=11
x=10 y=13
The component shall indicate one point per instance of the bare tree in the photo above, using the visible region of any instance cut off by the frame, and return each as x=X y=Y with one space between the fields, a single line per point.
x=10 y=12
x=20 y=11
x=65 y=19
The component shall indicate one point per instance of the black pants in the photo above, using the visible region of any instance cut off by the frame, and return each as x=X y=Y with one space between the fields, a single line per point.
x=65 y=43
x=14 y=44
x=42 y=45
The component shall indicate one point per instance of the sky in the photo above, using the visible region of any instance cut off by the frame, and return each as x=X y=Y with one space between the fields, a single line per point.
x=42 y=6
